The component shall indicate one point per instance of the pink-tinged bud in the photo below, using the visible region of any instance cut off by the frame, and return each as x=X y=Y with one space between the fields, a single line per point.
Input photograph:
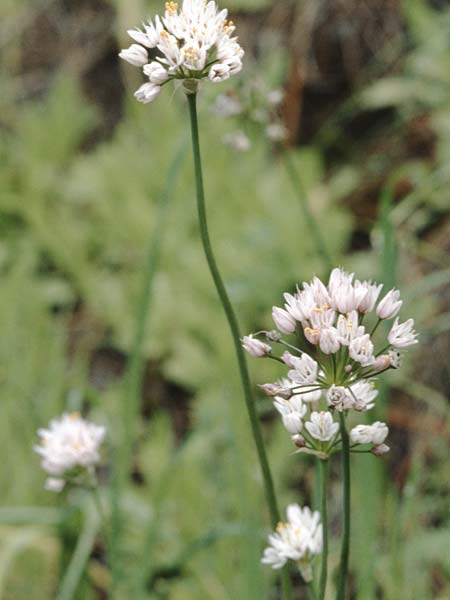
x=255 y=347
x=380 y=450
x=312 y=335
x=289 y=359
x=299 y=440
x=348 y=368
x=275 y=389
x=389 y=306
x=382 y=362
x=283 y=320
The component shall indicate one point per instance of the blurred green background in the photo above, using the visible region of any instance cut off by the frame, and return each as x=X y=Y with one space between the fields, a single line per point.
x=87 y=195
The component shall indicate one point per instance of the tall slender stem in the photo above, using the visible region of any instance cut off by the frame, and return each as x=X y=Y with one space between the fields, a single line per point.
x=310 y=220
x=323 y=474
x=234 y=327
x=345 y=548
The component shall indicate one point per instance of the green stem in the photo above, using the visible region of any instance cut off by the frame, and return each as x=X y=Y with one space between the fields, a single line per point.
x=323 y=474
x=234 y=327
x=310 y=220
x=345 y=548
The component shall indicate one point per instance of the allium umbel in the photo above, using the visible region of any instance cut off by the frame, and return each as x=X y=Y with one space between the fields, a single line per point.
x=342 y=354
x=191 y=43
x=69 y=446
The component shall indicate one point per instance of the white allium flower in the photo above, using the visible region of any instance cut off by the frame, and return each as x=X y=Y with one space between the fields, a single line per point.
x=380 y=450
x=147 y=92
x=227 y=106
x=348 y=328
x=237 y=140
x=402 y=334
x=275 y=97
x=255 y=347
x=276 y=132
x=292 y=412
x=69 y=442
x=299 y=305
x=304 y=370
x=281 y=388
x=193 y=42
x=361 y=350
x=371 y=293
x=136 y=55
x=389 y=306
x=156 y=73
x=299 y=539
x=364 y=394
x=54 y=484
x=321 y=426
x=283 y=320
x=329 y=340
x=340 y=398
x=369 y=434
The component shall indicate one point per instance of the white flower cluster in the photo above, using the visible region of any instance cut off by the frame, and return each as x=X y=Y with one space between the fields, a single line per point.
x=69 y=444
x=337 y=372
x=190 y=43
x=299 y=539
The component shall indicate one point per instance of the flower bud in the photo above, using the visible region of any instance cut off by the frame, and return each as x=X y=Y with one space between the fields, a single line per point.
x=255 y=347
x=276 y=389
x=380 y=449
x=329 y=340
x=389 y=306
x=283 y=320
x=298 y=440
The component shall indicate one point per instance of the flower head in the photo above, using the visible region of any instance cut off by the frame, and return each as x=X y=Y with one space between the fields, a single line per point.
x=193 y=42
x=299 y=539
x=70 y=442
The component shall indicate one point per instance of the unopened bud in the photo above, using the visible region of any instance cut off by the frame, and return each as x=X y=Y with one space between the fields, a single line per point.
x=298 y=440
x=382 y=362
x=348 y=368
x=380 y=450
x=255 y=347
x=275 y=389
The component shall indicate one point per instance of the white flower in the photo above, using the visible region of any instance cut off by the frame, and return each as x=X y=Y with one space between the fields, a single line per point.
x=280 y=388
x=348 y=328
x=283 y=320
x=227 y=106
x=340 y=398
x=329 y=340
x=369 y=434
x=136 y=55
x=193 y=42
x=291 y=413
x=364 y=394
x=147 y=92
x=69 y=442
x=299 y=539
x=361 y=350
x=304 y=370
x=368 y=300
x=380 y=450
x=237 y=140
x=276 y=132
x=255 y=347
x=389 y=306
x=54 y=484
x=321 y=426
x=300 y=305
x=402 y=334
x=156 y=73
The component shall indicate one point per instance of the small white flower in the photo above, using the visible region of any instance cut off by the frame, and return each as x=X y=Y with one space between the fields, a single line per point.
x=389 y=306
x=380 y=450
x=156 y=73
x=299 y=305
x=69 y=442
x=371 y=293
x=312 y=335
x=54 y=484
x=283 y=320
x=304 y=370
x=275 y=97
x=255 y=347
x=321 y=426
x=348 y=328
x=361 y=350
x=147 y=92
x=329 y=340
x=280 y=388
x=402 y=334
x=227 y=106
x=299 y=539
x=136 y=55
x=237 y=140
x=364 y=394
x=291 y=413
x=219 y=72
x=340 y=398
x=276 y=132
x=369 y=434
